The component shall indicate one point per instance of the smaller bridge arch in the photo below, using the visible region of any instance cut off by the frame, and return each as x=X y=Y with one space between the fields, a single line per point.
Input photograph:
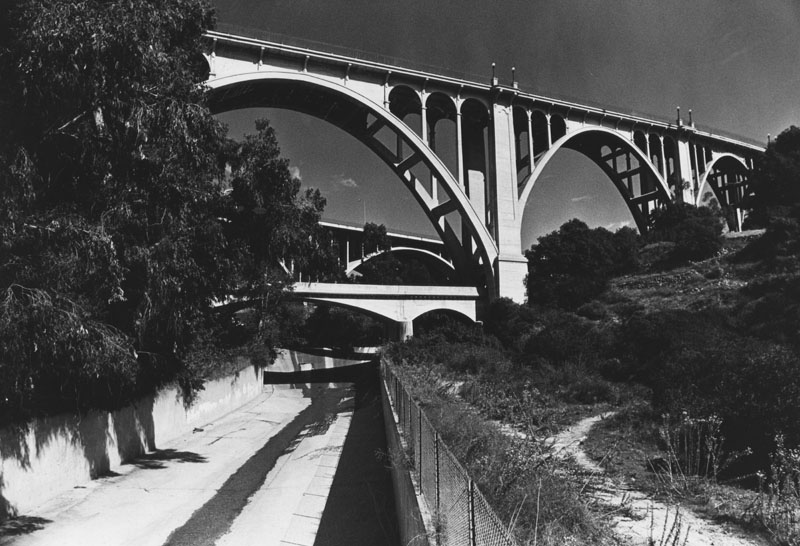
x=426 y=255
x=725 y=178
x=640 y=184
x=400 y=304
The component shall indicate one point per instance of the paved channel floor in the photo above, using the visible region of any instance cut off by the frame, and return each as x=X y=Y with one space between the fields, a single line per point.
x=260 y=475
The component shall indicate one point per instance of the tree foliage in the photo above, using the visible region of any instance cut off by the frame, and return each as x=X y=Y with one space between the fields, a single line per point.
x=775 y=182
x=375 y=238
x=116 y=233
x=570 y=266
x=384 y=267
x=774 y=203
x=695 y=231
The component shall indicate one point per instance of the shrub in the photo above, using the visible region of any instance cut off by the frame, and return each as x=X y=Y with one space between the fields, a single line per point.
x=778 y=505
x=593 y=310
x=509 y=322
x=451 y=327
x=774 y=188
x=694 y=448
x=780 y=239
x=567 y=337
x=338 y=327
x=696 y=231
x=574 y=264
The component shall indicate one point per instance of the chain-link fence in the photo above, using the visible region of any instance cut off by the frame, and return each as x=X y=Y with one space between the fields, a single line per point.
x=461 y=513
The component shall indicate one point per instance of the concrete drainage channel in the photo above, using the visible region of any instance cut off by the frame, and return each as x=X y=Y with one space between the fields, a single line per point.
x=332 y=459
x=303 y=460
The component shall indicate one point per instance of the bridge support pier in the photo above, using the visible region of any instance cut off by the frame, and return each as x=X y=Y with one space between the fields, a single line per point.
x=399 y=330
x=510 y=274
x=405 y=329
x=511 y=266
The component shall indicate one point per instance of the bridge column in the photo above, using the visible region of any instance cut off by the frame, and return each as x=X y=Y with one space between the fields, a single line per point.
x=684 y=170
x=697 y=174
x=549 y=133
x=530 y=141
x=405 y=330
x=459 y=147
x=511 y=266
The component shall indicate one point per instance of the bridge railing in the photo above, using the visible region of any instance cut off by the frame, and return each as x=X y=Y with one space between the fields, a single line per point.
x=484 y=80
x=349 y=52
x=462 y=514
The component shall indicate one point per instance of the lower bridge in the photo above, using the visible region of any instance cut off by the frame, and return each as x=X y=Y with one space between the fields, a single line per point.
x=401 y=304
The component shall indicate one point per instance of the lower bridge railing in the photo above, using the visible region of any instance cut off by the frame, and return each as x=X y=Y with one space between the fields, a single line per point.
x=462 y=516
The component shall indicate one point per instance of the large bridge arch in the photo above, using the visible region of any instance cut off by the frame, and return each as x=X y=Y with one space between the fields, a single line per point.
x=640 y=185
x=471 y=244
x=725 y=177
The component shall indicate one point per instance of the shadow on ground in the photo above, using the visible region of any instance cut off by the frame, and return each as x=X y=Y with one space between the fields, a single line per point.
x=157 y=458
x=360 y=509
x=22 y=525
x=344 y=374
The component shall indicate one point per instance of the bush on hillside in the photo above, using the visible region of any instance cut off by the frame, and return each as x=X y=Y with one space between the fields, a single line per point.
x=564 y=337
x=695 y=231
x=775 y=183
x=510 y=322
x=574 y=264
x=781 y=240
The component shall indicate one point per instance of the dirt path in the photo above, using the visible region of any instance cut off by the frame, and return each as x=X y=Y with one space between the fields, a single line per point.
x=637 y=517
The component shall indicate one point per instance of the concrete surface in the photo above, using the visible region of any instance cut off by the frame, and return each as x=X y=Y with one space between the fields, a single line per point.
x=57 y=453
x=269 y=473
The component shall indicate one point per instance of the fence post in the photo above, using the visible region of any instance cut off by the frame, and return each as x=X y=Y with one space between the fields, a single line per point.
x=436 y=462
x=419 y=443
x=471 y=511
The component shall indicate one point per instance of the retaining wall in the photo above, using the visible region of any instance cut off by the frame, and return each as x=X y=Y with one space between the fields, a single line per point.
x=57 y=453
x=409 y=505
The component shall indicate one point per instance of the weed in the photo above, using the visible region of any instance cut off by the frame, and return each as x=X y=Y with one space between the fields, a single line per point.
x=671 y=529
x=539 y=501
x=777 y=507
x=694 y=453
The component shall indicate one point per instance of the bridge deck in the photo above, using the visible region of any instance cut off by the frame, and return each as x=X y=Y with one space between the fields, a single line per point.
x=386 y=291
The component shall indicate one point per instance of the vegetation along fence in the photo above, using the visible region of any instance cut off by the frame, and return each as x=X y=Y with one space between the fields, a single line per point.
x=461 y=513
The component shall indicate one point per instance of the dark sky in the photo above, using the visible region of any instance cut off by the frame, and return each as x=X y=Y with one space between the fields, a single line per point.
x=736 y=63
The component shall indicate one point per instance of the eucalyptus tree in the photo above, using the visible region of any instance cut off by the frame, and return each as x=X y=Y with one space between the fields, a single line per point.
x=116 y=232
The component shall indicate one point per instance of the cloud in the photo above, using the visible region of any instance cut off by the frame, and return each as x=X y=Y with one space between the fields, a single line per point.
x=582 y=198
x=294 y=170
x=614 y=226
x=346 y=181
x=733 y=56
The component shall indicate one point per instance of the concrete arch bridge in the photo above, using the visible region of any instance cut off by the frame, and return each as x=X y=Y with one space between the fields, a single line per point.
x=471 y=152
x=399 y=305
